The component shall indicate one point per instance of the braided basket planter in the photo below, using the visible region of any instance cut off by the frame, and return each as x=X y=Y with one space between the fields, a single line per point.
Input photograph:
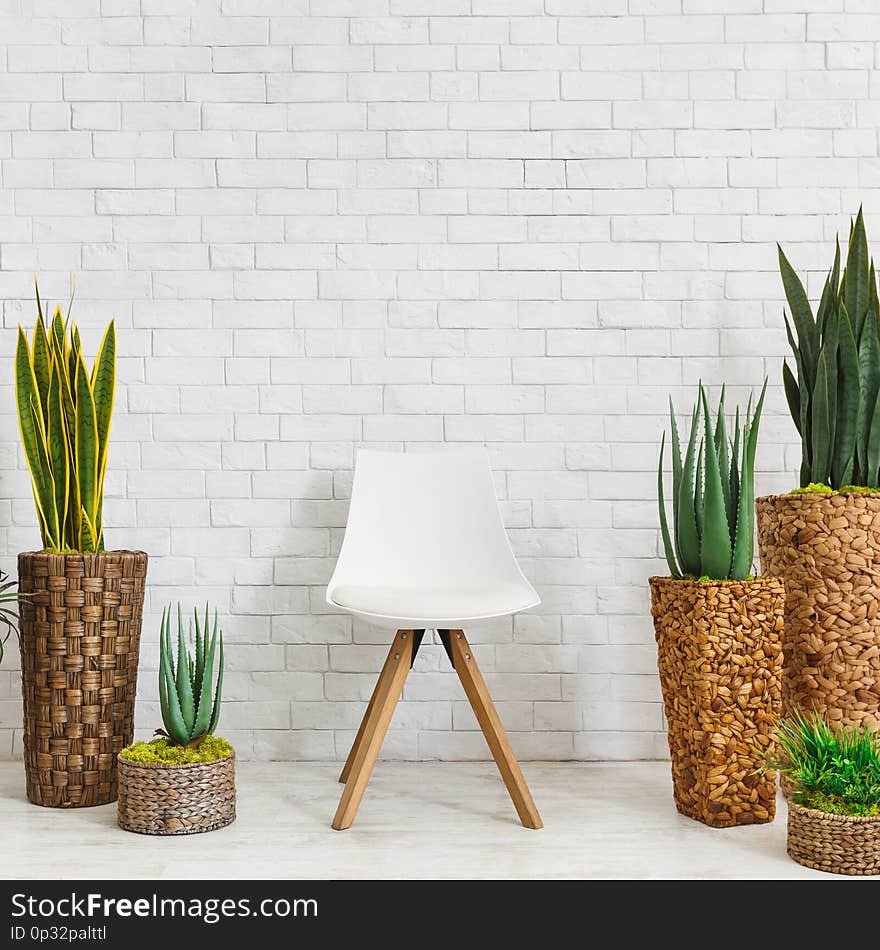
x=156 y=799
x=80 y=637
x=841 y=844
x=827 y=549
x=720 y=661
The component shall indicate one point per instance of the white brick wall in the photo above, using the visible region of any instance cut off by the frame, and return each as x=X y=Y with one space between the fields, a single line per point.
x=324 y=223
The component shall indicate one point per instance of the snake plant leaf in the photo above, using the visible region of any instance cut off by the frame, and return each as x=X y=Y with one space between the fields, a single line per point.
x=29 y=410
x=676 y=474
x=46 y=485
x=847 y=403
x=801 y=313
x=668 y=549
x=686 y=530
x=86 y=442
x=792 y=395
x=218 y=692
x=42 y=368
x=869 y=372
x=821 y=424
x=832 y=351
x=184 y=685
x=744 y=545
x=856 y=291
x=57 y=441
x=37 y=295
x=103 y=384
x=715 y=550
x=872 y=476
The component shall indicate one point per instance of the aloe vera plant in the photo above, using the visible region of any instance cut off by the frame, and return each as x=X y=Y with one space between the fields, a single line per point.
x=713 y=493
x=188 y=698
x=833 y=393
x=64 y=415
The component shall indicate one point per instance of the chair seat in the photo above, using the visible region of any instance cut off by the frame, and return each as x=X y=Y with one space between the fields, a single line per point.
x=433 y=607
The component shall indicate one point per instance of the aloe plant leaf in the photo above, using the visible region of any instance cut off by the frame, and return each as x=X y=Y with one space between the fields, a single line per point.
x=184 y=686
x=715 y=551
x=668 y=549
x=698 y=492
x=744 y=545
x=175 y=723
x=203 y=709
x=724 y=458
x=686 y=533
x=676 y=474
x=218 y=692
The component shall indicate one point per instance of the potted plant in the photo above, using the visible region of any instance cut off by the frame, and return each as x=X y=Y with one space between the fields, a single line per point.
x=824 y=537
x=184 y=781
x=80 y=605
x=834 y=810
x=8 y=614
x=718 y=628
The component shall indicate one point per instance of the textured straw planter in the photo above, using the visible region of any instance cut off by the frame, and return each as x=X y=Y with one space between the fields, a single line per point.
x=719 y=653
x=80 y=636
x=827 y=549
x=840 y=844
x=176 y=799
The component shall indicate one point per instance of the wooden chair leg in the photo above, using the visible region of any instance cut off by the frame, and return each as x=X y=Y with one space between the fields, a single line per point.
x=366 y=747
x=386 y=672
x=481 y=702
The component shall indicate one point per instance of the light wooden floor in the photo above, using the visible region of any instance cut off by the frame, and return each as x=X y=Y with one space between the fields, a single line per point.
x=417 y=820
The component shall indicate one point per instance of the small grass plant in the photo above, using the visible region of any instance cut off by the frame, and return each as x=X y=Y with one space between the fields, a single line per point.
x=834 y=769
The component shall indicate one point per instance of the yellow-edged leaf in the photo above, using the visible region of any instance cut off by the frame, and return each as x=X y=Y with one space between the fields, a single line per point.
x=59 y=449
x=86 y=442
x=27 y=396
x=42 y=362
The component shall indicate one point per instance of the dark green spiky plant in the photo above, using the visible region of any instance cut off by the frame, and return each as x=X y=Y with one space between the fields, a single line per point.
x=713 y=494
x=832 y=768
x=190 y=707
x=8 y=613
x=833 y=397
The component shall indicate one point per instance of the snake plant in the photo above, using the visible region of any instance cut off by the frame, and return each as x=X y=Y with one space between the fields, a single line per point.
x=8 y=614
x=713 y=494
x=833 y=397
x=64 y=414
x=189 y=701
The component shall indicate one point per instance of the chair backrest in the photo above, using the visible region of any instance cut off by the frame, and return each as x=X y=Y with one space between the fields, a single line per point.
x=424 y=518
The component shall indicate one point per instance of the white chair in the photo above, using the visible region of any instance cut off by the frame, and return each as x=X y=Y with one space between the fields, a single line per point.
x=425 y=548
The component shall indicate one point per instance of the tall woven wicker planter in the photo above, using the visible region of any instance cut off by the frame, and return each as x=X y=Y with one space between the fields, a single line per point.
x=719 y=654
x=827 y=549
x=186 y=799
x=80 y=636
x=841 y=844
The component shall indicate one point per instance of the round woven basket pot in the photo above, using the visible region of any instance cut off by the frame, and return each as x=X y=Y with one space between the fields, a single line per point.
x=157 y=799
x=719 y=654
x=827 y=550
x=841 y=844
x=80 y=636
